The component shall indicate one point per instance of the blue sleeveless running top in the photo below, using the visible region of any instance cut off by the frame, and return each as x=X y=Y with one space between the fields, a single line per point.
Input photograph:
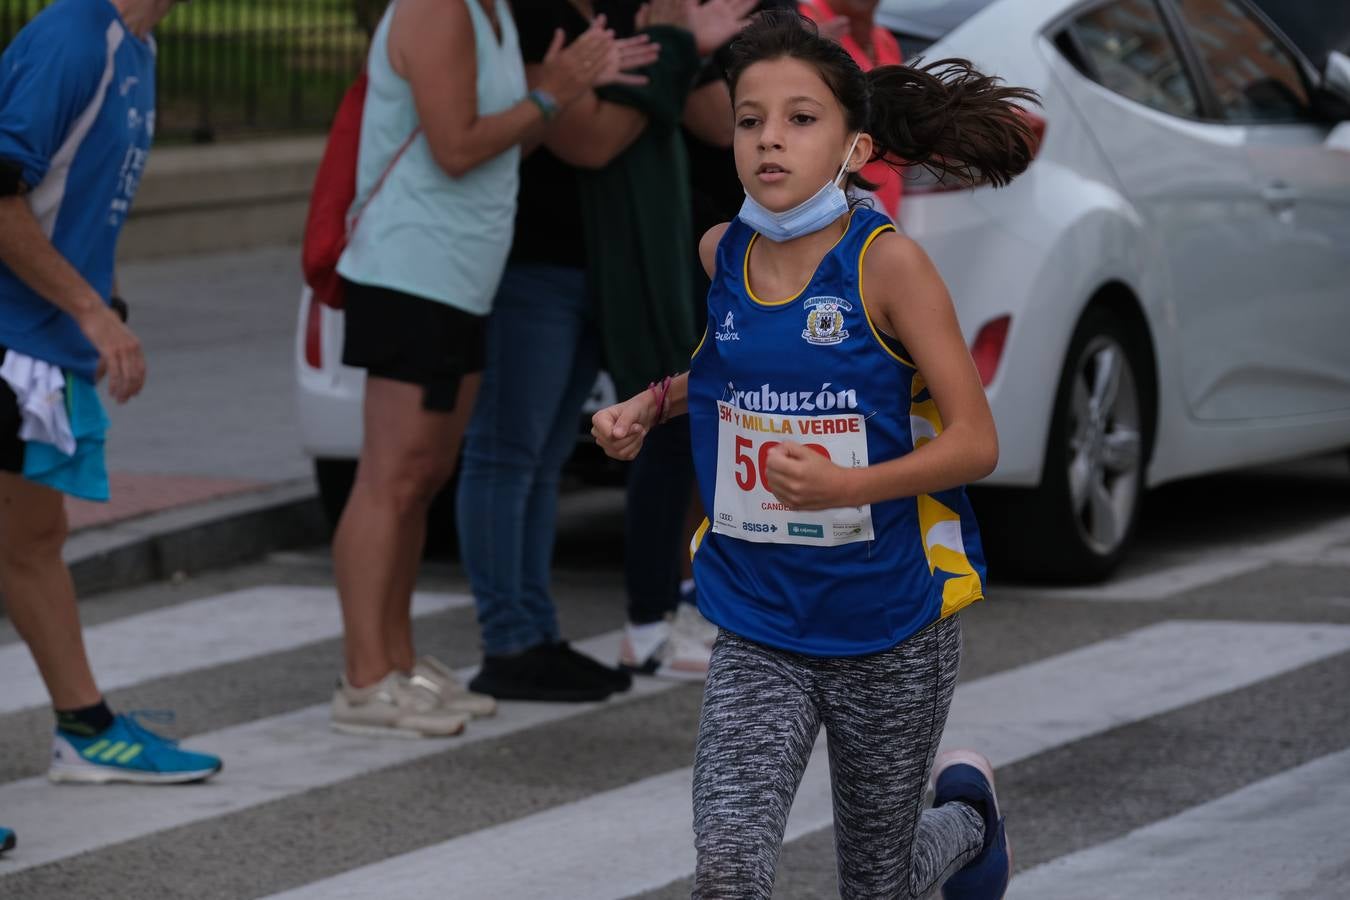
x=814 y=369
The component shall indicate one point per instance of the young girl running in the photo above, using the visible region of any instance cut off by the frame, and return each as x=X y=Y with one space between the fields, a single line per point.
x=835 y=412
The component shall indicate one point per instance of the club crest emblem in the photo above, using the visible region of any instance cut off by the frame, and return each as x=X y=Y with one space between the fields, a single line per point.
x=825 y=320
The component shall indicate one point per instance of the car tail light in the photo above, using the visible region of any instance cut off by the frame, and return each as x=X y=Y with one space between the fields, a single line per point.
x=988 y=348
x=919 y=180
x=314 y=335
x=1037 y=123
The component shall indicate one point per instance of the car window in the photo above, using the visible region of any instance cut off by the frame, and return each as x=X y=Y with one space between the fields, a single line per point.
x=932 y=18
x=1255 y=78
x=918 y=23
x=1315 y=27
x=1129 y=51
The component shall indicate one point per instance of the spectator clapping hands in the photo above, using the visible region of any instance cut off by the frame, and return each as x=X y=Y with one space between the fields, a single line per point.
x=712 y=23
x=594 y=59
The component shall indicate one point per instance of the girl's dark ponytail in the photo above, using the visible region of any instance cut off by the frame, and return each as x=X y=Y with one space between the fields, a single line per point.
x=950 y=119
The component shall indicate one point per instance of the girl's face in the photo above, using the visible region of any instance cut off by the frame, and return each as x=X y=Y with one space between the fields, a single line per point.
x=791 y=135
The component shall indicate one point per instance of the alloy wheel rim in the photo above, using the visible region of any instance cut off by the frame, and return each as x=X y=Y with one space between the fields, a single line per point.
x=1105 y=444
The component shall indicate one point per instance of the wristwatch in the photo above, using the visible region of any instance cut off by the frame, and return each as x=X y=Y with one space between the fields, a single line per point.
x=547 y=103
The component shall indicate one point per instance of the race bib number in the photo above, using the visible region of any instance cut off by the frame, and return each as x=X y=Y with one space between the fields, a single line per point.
x=743 y=503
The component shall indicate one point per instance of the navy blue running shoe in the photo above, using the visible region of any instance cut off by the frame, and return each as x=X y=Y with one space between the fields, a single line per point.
x=968 y=776
x=6 y=840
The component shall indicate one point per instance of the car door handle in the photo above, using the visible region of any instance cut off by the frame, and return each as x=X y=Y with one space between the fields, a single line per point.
x=1279 y=196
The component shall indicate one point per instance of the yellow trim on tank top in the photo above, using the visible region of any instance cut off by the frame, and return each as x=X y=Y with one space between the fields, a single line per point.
x=698 y=538
x=964 y=586
x=745 y=269
x=867 y=315
x=925 y=411
x=701 y=341
x=951 y=607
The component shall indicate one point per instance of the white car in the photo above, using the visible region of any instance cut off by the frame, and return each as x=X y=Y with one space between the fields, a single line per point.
x=1164 y=293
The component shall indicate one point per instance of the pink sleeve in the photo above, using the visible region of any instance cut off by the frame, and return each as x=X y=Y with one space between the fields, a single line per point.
x=887 y=48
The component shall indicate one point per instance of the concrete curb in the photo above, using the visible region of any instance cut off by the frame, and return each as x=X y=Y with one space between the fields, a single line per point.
x=192 y=538
x=232 y=196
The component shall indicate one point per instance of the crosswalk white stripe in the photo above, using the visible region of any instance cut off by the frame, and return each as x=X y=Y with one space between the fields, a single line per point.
x=1129 y=678
x=265 y=760
x=639 y=837
x=220 y=629
x=1283 y=837
x=1163 y=581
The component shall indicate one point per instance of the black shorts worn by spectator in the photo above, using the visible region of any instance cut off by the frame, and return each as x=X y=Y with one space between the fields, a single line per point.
x=407 y=338
x=11 y=447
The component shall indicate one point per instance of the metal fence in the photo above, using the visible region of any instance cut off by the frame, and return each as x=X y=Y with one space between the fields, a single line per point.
x=239 y=67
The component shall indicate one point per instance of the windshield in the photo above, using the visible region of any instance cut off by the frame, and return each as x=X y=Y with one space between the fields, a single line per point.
x=1315 y=27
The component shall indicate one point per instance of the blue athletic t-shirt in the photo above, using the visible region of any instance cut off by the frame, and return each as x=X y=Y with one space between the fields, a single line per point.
x=813 y=369
x=77 y=114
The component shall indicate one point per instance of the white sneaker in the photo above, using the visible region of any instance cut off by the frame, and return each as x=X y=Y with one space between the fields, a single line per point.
x=640 y=649
x=393 y=707
x=436 y=676
x=690 y=622
x=676 y=647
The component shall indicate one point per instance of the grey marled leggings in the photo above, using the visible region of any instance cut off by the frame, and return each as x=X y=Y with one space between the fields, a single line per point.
x=883 y=716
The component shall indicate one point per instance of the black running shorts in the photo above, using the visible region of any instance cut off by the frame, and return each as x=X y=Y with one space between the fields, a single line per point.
x=407 y=338
x=11 y=448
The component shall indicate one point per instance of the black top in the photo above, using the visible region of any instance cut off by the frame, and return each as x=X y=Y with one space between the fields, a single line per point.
x=548 y=212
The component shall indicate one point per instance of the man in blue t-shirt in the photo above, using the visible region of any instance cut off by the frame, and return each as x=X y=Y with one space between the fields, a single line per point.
x=77 y=114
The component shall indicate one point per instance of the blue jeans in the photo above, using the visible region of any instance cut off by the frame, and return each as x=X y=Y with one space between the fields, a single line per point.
x=542 y=358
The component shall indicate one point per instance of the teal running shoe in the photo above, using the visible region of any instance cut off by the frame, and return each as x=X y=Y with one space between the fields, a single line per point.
x=6 y=840
x=129 y=752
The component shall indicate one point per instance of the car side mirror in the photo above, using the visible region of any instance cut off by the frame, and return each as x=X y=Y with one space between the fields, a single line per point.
x=1333 y=94
x=1336 y=76
x=1339 y=139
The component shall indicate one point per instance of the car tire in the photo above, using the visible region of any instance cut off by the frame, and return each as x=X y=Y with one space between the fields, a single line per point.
x=335 y=477
x=1077 y=526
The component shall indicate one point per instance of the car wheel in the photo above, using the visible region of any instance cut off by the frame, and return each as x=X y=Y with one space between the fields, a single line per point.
x=1077 y=525
x=335 y=478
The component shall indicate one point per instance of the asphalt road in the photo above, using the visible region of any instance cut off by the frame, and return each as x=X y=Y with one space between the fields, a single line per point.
x=1179 y=732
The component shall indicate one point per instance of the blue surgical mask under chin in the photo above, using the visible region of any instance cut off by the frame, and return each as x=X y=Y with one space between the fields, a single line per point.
x=816 y=212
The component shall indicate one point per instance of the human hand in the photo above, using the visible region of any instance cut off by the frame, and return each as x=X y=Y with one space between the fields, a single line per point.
x=626 y=56
x=804 y=477
x=620 y=429
x=717 y=21
x=568 y=72
x=119 y=352
x=664 y=12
